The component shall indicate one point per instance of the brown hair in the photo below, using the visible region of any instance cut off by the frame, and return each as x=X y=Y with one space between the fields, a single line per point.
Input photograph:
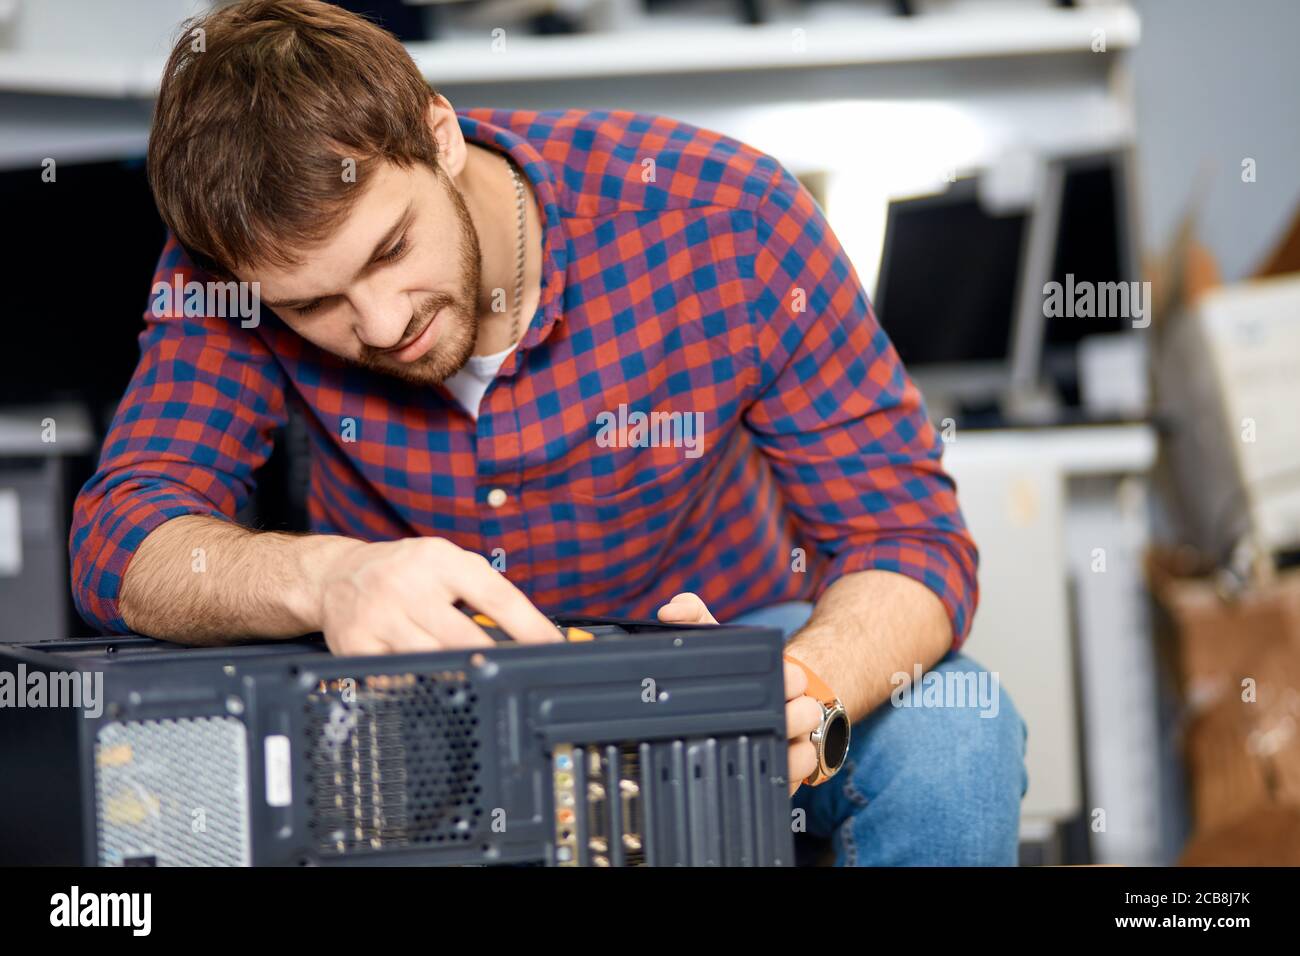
x=257 y=117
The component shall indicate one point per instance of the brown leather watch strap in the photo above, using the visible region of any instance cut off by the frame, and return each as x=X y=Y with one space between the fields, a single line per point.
x=817 y=688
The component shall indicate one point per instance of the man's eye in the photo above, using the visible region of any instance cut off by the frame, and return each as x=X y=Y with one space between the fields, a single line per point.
x=389 y=256
x=396 y=251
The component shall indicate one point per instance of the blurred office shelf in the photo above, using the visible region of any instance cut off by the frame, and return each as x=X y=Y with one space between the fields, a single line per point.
x=660 y=46
x=57 y=74
x=666 y=47
x=62 y=428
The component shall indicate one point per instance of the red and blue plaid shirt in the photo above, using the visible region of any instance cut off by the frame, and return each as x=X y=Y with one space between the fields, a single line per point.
x=707 y=283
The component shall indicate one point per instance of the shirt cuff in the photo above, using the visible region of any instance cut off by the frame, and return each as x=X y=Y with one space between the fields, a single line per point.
x=102 y=549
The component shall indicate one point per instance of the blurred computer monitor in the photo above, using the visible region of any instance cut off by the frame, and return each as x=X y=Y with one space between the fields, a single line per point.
x=949 y=291
x=1083 y=233
x=80 y=262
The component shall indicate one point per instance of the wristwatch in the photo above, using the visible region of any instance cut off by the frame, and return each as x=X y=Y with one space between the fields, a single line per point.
x=831 y=738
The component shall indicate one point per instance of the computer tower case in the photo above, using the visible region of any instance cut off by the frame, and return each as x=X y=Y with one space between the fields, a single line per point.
x=648 y=745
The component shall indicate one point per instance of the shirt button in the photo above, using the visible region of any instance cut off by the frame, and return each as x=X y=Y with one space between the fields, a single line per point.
x=496 y=497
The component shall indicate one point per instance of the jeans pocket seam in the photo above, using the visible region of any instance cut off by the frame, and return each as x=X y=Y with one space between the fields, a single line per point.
x=847 y=842
x=850 y=791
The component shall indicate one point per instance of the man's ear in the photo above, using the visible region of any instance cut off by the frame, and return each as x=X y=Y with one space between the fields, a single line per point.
x=452 y=151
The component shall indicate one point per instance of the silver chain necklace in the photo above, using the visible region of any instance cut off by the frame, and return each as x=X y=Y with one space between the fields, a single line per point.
x=520 y=198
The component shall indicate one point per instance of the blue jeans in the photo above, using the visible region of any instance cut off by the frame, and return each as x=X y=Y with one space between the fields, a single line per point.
x=922 y=785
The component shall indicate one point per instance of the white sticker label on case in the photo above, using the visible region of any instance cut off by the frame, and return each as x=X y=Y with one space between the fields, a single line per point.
x=11 y=534
x=279 y=777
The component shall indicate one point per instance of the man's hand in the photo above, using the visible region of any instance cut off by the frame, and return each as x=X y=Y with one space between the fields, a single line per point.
x=802 y=713
x=394 y=597
x=367 y=598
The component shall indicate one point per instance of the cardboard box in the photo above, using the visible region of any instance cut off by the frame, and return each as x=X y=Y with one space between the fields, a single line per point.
x=1238 y=664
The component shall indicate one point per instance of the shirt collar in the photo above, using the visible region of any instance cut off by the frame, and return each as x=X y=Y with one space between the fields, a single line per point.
x=488 y=128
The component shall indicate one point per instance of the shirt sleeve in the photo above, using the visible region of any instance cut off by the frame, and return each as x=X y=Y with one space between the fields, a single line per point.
x=840 y=421
x=196 y=421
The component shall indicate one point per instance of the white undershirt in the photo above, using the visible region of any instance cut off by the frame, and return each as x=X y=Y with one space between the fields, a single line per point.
x=469 y=384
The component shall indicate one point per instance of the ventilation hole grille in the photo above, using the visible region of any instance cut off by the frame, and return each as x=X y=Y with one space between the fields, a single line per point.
x=393 y=762
x=172 y=792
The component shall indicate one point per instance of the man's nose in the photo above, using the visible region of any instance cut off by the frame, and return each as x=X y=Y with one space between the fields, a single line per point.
x=380 y=321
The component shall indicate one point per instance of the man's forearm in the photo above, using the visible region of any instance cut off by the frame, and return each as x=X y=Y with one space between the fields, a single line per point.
x=202 y=580
x=868 y=626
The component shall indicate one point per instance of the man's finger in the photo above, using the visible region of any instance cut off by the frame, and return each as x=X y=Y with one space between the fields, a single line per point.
x=676 y=614
x=796 y=681
x=802 y=717
x=803 y=761
x=404 y=635
x=686 y=608
x=354 y=641
x=442 y=627
x=489 y=591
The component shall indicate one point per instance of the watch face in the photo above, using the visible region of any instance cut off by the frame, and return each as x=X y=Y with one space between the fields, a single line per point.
x=837 y=742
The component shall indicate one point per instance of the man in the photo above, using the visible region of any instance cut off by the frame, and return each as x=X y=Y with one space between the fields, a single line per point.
x=595 y=358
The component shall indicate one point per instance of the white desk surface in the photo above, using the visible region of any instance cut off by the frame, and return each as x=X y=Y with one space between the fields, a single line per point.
x=1075 y=450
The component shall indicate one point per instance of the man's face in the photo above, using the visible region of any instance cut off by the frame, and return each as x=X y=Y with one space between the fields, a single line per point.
x=396 y=288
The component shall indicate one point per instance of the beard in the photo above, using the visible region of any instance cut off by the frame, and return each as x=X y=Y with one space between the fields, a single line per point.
x=455 y=344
